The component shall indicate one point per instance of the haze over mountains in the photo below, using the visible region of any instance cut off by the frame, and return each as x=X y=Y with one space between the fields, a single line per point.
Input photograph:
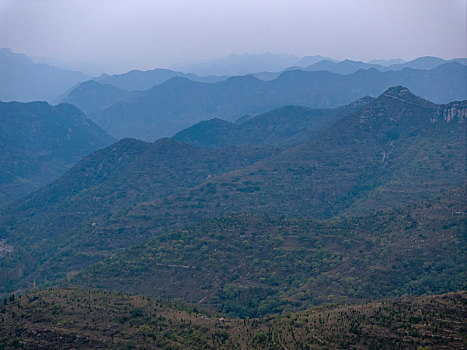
x=24 y=80
x=246 y=200
x=143 y=80
x=246 y=64
x=178 y=103
x=39 y=142
x=249 y=64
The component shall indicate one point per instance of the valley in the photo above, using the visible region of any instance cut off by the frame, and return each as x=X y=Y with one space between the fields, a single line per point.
x=253 y=201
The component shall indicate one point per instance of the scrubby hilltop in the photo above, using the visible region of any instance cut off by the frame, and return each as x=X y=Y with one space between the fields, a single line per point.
x=94 y=320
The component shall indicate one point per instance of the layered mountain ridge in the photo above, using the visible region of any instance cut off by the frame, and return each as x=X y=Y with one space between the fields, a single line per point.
x=40 y=142
x=24 y=80
x=394 y=150
x=178 y=103
x=283 y=126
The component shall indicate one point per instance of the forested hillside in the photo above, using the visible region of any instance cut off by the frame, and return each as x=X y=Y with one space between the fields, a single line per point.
x=256 y=265
x=397 y=149
x=39 y=142
x=283 y=126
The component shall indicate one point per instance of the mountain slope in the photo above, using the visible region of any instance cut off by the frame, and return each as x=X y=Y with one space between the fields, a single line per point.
x=40 y=142
x=61 y=220
x=24 y=80
x=397 y=149
x=92 y=96
x=179 y=103
x=256 y=265
x=120 y=321
x=286 y=125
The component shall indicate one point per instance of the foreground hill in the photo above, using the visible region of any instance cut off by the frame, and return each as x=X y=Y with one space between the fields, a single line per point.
x=61 y=220
x=179 y=103
x=78 y=318
x=24 y=80
x=397 y=149
x=286 y=125
x=257 y=265
x=39 y=142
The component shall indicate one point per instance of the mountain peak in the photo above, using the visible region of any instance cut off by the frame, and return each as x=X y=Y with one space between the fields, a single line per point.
x=398 y=91
x=403 y=94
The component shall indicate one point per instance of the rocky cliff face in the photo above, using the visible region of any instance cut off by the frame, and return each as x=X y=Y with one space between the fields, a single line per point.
x=454 y=111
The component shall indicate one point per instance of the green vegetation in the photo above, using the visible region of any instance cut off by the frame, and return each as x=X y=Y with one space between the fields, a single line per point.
x=77 y=318
x=434 y=322
x=397 y=149
x=253 y=265
x=57 y=229
x=283 y=126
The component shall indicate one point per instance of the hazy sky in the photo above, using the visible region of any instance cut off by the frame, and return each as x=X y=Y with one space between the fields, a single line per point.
x=118 y=35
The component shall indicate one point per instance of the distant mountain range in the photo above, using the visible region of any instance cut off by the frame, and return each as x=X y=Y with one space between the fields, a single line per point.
x=348 y=66
x=24 y=80
x=144 y=80
x=267 y=62
x=39 y=142
x=246 y=64
x=384 y=62
x=395 y=150
x=178 y=103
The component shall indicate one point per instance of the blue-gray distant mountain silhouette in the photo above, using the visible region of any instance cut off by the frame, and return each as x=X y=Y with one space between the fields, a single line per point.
x=241 y=64
x=179 y=103
x=39 y=142
x=388 y=62
x=349 y=66
x=23 y=80
x=143 y=80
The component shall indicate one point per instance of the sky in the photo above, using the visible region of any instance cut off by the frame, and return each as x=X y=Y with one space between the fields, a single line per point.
x=118 y=35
